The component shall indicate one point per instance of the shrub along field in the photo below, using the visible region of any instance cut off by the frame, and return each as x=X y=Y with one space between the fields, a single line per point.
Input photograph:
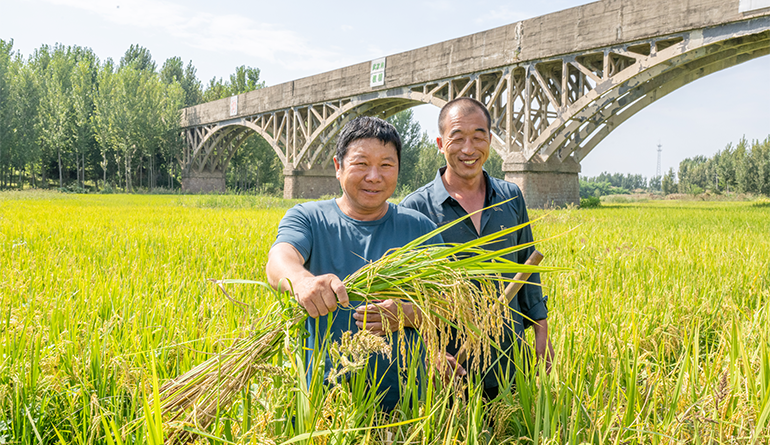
x=661 y=328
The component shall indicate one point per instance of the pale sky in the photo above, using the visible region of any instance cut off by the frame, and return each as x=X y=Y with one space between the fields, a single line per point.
x=288 y=40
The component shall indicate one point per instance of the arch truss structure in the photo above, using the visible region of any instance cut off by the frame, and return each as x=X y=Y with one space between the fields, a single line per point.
x=547 y=114
x=300 y=136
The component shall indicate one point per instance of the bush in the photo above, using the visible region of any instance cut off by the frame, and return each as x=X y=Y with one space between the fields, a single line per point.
x=590 y=202
x=72 y=189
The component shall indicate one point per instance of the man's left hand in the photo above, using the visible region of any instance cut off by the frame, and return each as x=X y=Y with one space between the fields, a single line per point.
x=543 y=346
x=385 y=313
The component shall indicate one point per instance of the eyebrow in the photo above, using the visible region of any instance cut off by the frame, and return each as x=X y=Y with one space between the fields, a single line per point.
x=457 y=130
x=362 y=157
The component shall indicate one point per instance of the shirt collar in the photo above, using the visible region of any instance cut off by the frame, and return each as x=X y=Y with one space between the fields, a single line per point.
x=440 y=194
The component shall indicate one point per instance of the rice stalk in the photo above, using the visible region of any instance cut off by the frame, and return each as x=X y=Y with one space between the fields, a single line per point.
x=195 y=397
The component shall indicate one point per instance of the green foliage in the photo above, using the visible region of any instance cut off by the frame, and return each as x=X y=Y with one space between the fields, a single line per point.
x=64 y=114
x=611 y=184
x=55 y=114
x=74 y=188
x=411 y=144
x=590 y=202
x=668 y=183
x=494 y=165
x=598 y=189
x=744 y=168
x=255 y=167
x=420 y=158
x=243 y=80
x=6 y=70
x=139 y=58
x=22 y=110
x=655 y=184
x=628 y=181
x=173 y=71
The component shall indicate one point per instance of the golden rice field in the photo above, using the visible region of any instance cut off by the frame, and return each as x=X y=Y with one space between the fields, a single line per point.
x=661 y=328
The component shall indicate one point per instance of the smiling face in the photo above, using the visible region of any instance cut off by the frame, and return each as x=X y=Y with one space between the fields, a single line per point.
x=368 y=175
x=465 y=142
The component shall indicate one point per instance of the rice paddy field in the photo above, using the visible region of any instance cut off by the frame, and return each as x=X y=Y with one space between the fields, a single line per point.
x=661 y=329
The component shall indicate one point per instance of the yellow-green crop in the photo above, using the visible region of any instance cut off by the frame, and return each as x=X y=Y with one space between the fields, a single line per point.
x=662 y=328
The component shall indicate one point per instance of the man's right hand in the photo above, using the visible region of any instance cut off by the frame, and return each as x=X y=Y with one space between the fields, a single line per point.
x=319 y=295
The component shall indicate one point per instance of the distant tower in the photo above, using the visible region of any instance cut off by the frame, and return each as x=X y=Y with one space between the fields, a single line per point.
x=660 y=149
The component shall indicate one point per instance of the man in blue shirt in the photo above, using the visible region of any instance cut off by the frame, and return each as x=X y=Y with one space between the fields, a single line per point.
x=320 y=243
x=463 y=187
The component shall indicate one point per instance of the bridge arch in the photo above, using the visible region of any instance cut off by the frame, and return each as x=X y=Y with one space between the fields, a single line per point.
x=299 y=136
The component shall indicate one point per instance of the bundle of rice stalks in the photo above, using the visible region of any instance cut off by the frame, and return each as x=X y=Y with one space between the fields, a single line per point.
x=453 y=285
x=194 y=398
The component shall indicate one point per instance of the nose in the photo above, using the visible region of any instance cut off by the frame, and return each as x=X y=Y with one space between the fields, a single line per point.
x=468 y=146
x=373 y=174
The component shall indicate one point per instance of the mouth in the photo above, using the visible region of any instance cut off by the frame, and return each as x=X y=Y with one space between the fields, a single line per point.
x=469 y=161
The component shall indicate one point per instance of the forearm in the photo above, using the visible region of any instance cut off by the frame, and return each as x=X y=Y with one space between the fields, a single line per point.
x=285 y=266
x=319 y=295
x=541 y=334
x=543 y=347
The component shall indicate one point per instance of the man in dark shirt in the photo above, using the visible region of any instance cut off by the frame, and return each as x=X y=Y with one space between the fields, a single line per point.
x=463 y=187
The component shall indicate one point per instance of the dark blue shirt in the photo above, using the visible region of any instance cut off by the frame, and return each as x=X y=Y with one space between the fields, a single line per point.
x=332 y=242
x=434 y=201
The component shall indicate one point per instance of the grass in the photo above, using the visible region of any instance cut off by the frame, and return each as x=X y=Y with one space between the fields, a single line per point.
x=662 y=330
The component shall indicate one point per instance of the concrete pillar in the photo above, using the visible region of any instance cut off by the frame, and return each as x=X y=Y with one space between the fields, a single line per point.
x=546 y=184
x=309 y=184
x=204 y=182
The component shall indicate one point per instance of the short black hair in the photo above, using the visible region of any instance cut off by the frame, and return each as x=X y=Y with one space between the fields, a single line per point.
x=466 y=104
x=367 y=127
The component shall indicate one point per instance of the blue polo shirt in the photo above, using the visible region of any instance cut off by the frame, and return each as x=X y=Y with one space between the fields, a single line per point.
x=434 y=201
x=332 y=242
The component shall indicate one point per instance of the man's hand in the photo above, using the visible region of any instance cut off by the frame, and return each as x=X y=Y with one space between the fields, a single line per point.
x=543 y=346
x=319 y=295
x=384 y=313
x=453 y=368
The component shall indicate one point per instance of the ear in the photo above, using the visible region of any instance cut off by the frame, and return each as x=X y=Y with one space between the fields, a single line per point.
x=337 y=168
x=440 y=144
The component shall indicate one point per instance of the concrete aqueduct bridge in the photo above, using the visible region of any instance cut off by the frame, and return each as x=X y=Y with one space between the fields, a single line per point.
x=555 y=85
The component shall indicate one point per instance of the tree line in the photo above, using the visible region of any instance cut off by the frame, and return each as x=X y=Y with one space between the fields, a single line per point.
x=68 y=119
x=743 y=168
x=73 y=121
x=615 y=184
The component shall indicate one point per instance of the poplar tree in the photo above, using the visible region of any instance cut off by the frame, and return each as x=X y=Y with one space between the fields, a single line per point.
x=55 y=117
x=6 y=49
